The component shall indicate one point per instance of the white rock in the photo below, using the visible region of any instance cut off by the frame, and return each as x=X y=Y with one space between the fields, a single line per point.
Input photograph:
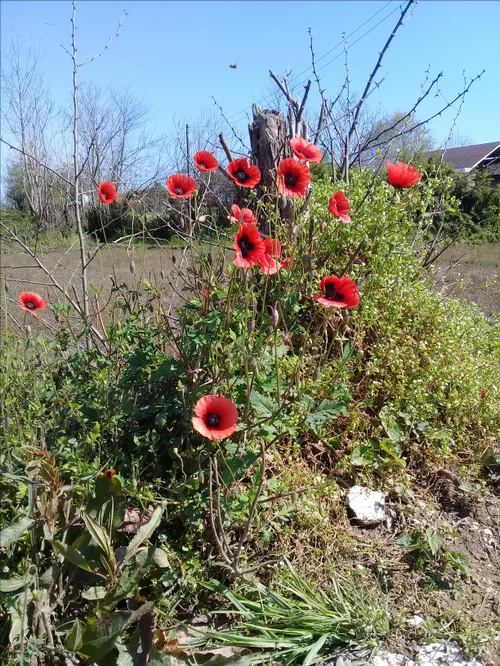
x=391 y=659
x=416 y=621
x=367 y=506
x=442 y=654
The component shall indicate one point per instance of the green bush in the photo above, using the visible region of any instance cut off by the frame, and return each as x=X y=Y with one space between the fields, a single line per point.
x=400 y=381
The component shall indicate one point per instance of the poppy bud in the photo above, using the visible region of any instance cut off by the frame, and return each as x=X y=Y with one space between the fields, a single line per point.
x=322 y=228
x=175 y=451
x=275 y=317
x=202 y=218
x=28 y=329
x=251 y=326
x=162 y=274
x=132 y=267
x=174 y=260
x=306 y=262
x=316 y=375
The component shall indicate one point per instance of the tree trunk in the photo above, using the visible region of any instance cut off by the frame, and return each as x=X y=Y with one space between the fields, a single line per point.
x=269 y=144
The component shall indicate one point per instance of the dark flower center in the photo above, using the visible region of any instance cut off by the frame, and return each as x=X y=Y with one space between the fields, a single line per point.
x=179 y=190
x=241 y=176
x=333 y=295
x=213 y=420
x=290 y=180
x=30 y=305
x=203 y=165
x=245 y=245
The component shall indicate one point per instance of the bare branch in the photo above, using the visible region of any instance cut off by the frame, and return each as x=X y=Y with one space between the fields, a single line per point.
x=408 y=115
x=435 y=115
x=378 y=64
x=225 y=147
x=110 y=40
x=35 y=159
x=303 y=103
x=229 y=124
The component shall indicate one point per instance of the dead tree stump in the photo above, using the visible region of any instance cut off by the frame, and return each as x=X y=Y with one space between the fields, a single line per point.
x=269 y=144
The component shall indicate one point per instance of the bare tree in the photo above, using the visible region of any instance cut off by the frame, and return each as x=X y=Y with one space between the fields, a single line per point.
x=28 y=117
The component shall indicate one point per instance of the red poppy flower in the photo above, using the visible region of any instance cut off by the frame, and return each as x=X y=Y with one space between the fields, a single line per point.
x=242 y=215
x=307 y=152
x=402 y=175
x=270 y=261
x=205 y=161
x=31 y=302
x=338 y=292
x=107 y=193
x=181 y=186
x=293 y=178
x=339 y=206
x=243 y=174
x=287 y=263
x=216 y=417
x=249 y=246
x=109 y=473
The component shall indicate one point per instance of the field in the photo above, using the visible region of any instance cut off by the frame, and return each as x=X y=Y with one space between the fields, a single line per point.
x=465 y=271
x=471 y=272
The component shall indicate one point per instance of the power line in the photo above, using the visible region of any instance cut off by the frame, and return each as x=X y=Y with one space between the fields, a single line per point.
x=309 y=69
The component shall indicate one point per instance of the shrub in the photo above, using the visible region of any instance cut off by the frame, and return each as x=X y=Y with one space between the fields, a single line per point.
x=402 y=377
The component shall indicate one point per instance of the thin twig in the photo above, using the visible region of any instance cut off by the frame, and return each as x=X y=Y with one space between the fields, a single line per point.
x=110 y=40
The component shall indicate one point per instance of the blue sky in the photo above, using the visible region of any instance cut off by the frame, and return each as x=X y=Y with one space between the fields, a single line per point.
x=176 y=55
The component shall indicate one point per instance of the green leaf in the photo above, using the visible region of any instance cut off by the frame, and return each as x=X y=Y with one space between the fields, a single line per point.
x=313 y=652
x=74 y=556
x=362 y=454
x=411 y=541
x=74 y=636
x=100 y=637
x=393 y=449
x=94 y=593
x=390 y=425
x=434 y=539
x=128 y=581
x=13 y=584
x=100 y=537
x=491 y=461
x=160 y=558
x=144 y=532
x=263 y=405
x=326 y=411
x=14 y=532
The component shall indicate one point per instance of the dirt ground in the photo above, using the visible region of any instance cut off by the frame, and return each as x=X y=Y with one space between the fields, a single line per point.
x=476 y=276
x=112 y=266
x=471 y=273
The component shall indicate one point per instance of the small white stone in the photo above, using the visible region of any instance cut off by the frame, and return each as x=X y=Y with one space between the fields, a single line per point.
x=416 y=621
x=367 y=506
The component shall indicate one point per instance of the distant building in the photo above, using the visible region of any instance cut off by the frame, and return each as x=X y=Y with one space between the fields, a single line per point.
x=465 y=159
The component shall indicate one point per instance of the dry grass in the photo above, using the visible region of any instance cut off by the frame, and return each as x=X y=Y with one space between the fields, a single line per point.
x=475 y=278
x=112 y=266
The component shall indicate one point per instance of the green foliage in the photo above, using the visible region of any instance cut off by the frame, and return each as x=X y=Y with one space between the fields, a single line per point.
x=295 y=623
x=474 y=213
x=107 y=223
x=404 y=376
x=432 y=556
x=78 y=557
